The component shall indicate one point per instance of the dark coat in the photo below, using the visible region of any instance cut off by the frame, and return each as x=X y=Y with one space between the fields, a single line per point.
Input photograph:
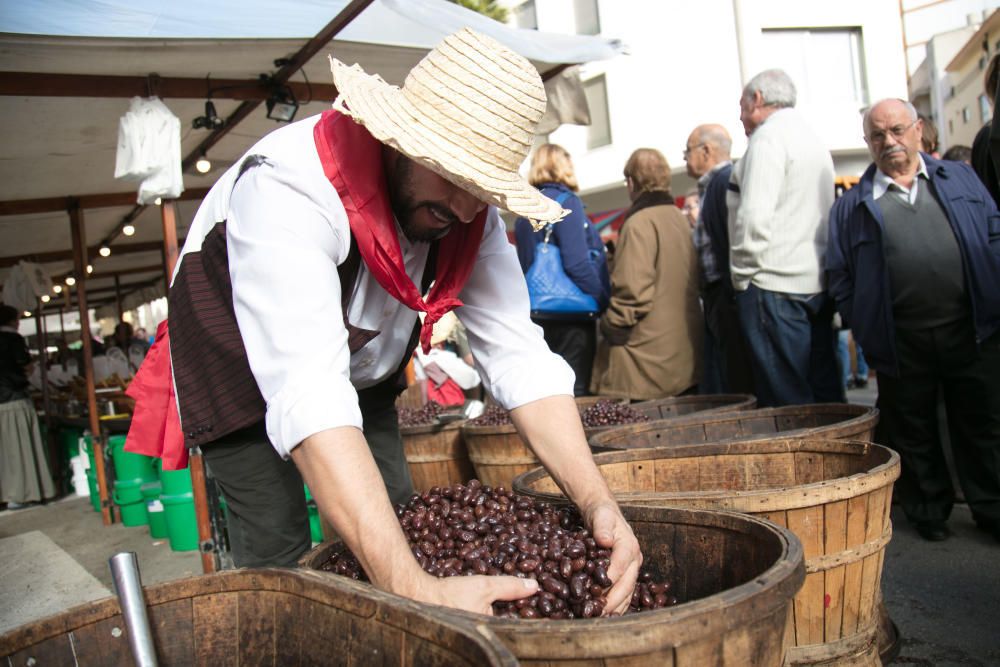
x=858 y=275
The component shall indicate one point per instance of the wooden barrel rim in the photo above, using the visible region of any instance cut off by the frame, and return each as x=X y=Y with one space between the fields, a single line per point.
x=718 y=400
x=859 y=414
x=423 y=429
x=431 y=458
x=862 y=551
x=348 y=595
x=759 y=500
x=487 y=459
x=475 y=430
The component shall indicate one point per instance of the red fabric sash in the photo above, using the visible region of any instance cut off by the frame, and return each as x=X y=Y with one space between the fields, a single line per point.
x=156 y=427
x=352 y=160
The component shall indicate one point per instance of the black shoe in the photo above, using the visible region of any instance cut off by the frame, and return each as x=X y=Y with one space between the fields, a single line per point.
x=860 y=383
x=992 y=529
x=933 y=531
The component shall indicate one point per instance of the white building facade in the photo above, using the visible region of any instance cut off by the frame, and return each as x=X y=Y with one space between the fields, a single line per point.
x=688 y=62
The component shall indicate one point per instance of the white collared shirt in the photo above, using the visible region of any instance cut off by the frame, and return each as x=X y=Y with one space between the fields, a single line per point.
x=884 y=183
x=287 y=232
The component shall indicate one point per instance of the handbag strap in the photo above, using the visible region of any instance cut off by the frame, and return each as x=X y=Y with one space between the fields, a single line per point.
x=563 y=196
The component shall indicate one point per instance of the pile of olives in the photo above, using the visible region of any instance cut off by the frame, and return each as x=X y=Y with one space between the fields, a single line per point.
x=493 y=415
x=423 y=416
x=608 y=412
x=475 y=529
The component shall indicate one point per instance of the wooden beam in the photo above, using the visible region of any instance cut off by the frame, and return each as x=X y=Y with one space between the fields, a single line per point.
x=102 y=200
x=42 y=84
x=63 y=255
x=78 y=231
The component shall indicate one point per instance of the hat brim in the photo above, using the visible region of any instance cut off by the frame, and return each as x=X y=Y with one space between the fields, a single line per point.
x=389 y=116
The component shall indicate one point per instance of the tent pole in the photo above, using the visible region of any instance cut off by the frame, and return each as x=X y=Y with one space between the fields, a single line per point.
x=43 y=370
x=80 y=269
x=118 y=298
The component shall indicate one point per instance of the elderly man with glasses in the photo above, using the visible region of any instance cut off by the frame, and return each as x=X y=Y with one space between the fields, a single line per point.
x=914 y=266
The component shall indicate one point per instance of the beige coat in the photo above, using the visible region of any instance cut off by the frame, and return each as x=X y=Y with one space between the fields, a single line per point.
x=653 y=325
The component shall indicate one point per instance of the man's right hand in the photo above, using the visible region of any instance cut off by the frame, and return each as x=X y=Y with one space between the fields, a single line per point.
x=474 y=593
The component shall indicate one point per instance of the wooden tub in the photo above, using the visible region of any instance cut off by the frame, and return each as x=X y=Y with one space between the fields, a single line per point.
x=436 y=455
x=833 y=494
x=820 y=420
x=678 y=406
x=738 y=574
x=259 y=617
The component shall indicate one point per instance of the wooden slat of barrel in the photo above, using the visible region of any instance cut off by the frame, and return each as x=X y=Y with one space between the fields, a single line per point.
x=833 y=494
x=280 y=617
x=678 y=406
x=737 y=572
x=820 y=420
x=436 y=455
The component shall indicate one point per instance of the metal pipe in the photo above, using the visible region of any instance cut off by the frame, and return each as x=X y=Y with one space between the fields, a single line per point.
x=128 y=586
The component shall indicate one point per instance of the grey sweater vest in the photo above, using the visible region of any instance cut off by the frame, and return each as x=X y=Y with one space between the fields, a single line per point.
x=925 y=263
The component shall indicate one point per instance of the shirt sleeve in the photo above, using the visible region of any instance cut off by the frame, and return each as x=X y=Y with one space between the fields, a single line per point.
x=750 y=234
x=511 y=355
x=285 y=241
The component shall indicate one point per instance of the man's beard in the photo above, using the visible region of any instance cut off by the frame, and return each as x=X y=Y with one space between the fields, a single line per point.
x=405 y=204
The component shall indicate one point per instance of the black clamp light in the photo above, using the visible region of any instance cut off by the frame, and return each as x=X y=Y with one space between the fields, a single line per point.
x=210 y=121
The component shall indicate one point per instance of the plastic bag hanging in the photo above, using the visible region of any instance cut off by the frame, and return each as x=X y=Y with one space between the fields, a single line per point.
x=149 y=149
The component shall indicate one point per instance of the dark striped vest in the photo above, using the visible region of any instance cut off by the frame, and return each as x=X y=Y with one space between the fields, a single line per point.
x=216 y=391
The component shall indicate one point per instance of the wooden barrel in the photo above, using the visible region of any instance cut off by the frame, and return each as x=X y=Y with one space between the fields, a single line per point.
x=737 y=575
x=498 y=453
x=840 y=421
x=436 y=455
x=833 y=494
x=678 y=406
x=259 y=617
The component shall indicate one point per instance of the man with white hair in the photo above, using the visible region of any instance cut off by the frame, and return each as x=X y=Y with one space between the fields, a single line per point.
x=914 y=266
x=293 y=312
x=779 y=198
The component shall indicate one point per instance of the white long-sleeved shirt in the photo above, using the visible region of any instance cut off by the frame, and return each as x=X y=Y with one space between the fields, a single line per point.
x=779 y=210
x=287 y=232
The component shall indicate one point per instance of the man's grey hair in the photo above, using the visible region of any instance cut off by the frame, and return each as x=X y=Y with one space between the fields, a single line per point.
x=867 y=113
x=775 y=87
x=716 y=136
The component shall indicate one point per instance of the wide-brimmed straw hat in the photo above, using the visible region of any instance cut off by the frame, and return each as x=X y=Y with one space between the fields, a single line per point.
x=467 y=111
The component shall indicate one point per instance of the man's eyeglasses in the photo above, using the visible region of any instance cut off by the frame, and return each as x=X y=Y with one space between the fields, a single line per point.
x=897 y=131
x=688 y=151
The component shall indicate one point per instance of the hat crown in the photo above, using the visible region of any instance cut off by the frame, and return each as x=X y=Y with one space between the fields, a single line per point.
x=479 y=95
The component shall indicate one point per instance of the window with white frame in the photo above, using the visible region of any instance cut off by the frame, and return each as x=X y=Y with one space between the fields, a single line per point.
x=599 y=130
x=588 y=21
x=966 y=115
x=984 y=108
x=826 y=64
x=525 y=16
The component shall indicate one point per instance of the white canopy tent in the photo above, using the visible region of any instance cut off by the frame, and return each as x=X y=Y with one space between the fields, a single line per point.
x=69 y=68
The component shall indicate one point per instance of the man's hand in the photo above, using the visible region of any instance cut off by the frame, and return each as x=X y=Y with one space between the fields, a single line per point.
x=611 y=531
x=474 y=593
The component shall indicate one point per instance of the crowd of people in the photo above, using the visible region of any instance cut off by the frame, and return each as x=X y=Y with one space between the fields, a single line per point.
x=777 y=282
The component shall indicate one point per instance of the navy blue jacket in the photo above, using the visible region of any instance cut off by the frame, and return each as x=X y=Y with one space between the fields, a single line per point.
x=715 y=217
x=858 y=275
x=577 y=241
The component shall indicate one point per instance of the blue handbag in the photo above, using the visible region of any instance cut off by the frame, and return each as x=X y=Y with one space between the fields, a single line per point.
x=551 y=291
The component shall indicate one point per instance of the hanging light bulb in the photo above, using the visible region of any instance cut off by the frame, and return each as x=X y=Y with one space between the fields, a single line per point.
x=203 y=165
x=70 y=280
x=46 y=298
x=27 y=313
x=158 y=201
x=104 y=251
x=128 y=230
x=57 y=289
x=90 y=268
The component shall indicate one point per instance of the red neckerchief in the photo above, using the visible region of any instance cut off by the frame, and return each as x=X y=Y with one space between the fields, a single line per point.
x=352 y=160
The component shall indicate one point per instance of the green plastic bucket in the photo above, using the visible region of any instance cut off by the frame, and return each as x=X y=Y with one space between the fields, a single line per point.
x=155 y=513
x=127 y=494
x=178 y=506
x=315 y=527
x=128 y=465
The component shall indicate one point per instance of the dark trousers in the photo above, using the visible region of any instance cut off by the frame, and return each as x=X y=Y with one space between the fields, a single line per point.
x=792 y=347
x=576 y=342
x=268 y=520
x=723 y=322
x=944 y=358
